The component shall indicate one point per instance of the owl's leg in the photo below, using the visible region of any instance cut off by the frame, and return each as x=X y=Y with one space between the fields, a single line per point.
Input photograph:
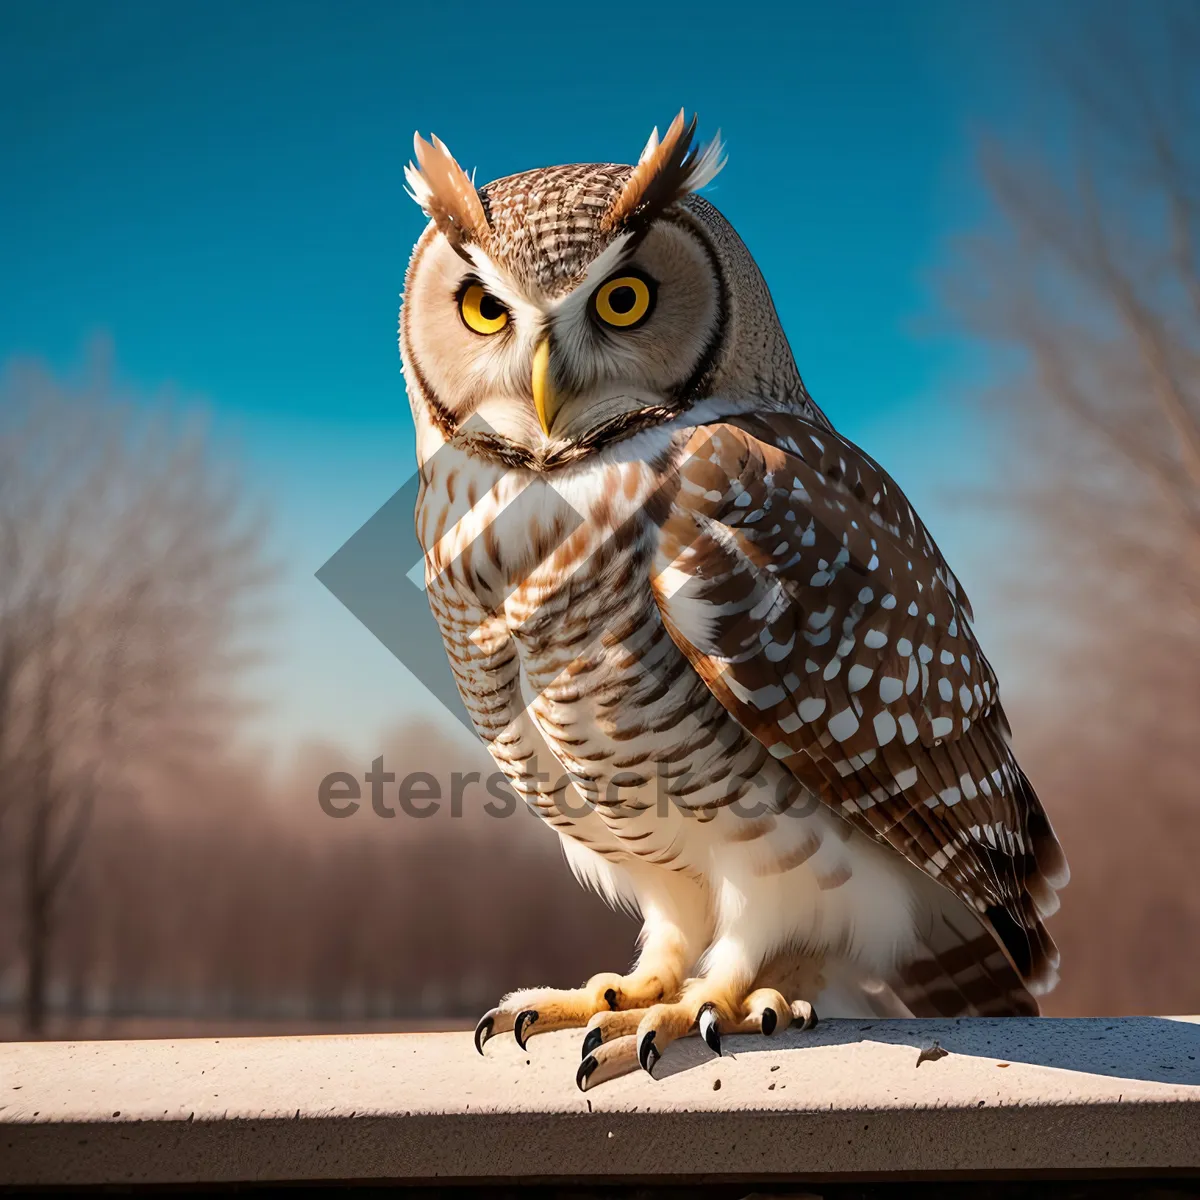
x=672 y=937
x=731 y=966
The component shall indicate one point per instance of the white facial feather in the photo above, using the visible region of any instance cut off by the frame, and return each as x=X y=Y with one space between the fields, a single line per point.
x=601 y=373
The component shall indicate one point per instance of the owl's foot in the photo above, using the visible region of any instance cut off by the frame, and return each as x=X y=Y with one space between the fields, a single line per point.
x=617 y=1043
x=710 y=1011
x=541 y=1010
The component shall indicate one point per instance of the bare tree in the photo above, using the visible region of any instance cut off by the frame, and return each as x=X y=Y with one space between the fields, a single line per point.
x=126 y=566
x=1088 y=277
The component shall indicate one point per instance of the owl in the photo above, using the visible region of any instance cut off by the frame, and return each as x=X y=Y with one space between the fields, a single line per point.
x=706 y=637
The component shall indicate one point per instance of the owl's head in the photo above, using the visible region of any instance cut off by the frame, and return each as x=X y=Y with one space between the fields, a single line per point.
x=552 y=313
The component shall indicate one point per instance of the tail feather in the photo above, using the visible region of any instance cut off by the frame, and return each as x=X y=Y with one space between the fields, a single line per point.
x=1039 y=867
x=962 y=966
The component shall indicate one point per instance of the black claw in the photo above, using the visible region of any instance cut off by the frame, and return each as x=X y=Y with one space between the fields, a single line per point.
x=591 y=1040
x=586 y=1068
x=648 y=1053
x=710 y=1028
x=769 y=1021
x=525 y=1017
x=483 y=1031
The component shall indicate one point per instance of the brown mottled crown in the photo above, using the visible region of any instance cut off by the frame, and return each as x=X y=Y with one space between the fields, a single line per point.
x=547 y=224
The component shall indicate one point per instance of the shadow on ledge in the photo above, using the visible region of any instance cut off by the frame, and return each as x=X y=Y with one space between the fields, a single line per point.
x=1150 y=1049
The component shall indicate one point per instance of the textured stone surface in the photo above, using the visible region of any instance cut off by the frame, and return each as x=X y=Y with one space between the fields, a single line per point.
x=846 y=1099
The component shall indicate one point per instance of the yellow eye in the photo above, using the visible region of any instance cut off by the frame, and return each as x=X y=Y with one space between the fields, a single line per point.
x=625 y=301
x=481 y=311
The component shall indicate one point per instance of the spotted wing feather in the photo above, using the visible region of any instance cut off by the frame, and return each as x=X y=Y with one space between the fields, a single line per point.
x=804 y=589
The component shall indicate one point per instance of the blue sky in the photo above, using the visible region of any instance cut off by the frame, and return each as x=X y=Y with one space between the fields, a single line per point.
x=217 y=189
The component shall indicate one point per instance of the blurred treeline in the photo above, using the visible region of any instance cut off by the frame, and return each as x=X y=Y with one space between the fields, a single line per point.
x=243 y=907
x=151 y=866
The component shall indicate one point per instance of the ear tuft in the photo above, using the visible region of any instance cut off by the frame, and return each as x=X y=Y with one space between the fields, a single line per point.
x=445 y=193
x=706 y=165
x=667 y=170
x=651 y=146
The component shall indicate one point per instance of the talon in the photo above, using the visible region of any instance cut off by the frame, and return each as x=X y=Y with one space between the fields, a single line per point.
x=483 y=1030
x=526 y=1017
x=709 y=1029
x=804 y=1014
x=769 y=1021
x=648 y=1053
x=586 y=1068
x=593 y=1039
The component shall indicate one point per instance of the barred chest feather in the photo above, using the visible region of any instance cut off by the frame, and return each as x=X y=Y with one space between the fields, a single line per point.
x=555 y=575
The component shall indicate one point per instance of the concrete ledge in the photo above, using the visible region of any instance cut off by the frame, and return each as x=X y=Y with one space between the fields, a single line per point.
x=847 y=1100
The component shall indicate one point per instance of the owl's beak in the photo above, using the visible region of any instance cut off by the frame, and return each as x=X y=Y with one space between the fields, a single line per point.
x=546 y=399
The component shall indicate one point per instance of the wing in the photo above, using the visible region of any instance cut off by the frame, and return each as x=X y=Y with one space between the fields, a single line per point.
x=803 y=588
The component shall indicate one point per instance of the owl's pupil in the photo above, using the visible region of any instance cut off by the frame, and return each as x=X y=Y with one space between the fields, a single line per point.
x=622 y=299
x=490 y=309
